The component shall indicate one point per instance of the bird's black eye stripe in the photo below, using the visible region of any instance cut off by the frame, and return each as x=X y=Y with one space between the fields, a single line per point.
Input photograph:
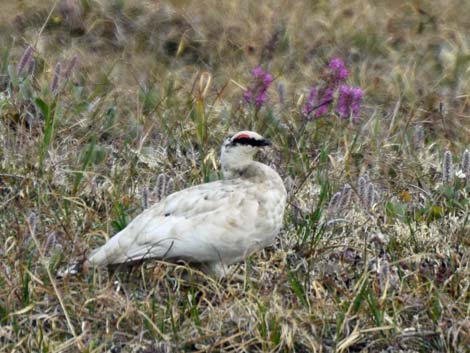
x=250 y=142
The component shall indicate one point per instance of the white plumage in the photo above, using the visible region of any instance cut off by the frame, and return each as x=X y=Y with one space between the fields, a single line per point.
x=214 y=224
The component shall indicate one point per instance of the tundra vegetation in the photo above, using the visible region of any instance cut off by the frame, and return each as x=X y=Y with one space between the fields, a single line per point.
x=108 y=106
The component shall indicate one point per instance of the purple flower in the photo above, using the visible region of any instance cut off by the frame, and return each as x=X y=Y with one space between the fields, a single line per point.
x=339 y=72
x=261 y=99
x=256 y=94
x=324 y=101
x=318 y=101
x=357 y=95
x=257 y=72
x=321 y=96
x=342 y=107
x=349 y=102
x=310 y=103
x=248 y=96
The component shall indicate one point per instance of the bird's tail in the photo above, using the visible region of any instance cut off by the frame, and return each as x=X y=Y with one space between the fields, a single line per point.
x=77 y=267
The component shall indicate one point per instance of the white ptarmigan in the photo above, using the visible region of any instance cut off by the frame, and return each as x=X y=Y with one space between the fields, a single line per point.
x=214 y=224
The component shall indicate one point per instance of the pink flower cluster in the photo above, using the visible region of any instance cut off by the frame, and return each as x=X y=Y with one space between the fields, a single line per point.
x=318 y=101
x=257 y=93
x=339 y=72
x=321 y=98
x=349 y=102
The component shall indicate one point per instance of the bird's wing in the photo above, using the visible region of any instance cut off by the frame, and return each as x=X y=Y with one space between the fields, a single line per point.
x=205 y=223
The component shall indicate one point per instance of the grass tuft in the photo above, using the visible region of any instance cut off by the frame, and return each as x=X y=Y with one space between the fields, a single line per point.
x=107 y=107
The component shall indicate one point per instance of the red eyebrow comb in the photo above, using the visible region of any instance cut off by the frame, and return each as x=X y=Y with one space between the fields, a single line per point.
x=242 y=135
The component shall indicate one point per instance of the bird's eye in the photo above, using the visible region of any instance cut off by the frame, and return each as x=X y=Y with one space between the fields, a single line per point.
x=246 y=140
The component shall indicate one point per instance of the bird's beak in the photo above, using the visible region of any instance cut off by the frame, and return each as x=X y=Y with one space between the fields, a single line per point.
x=265 y=142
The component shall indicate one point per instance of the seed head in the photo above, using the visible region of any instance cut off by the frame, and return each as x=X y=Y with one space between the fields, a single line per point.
x=145 y=198
x=52 y=241
x=69 y=70
x=56 y=78
x=362 y=187
x=170 y=186
x=32 y=222
x=447 y=168
x=25 y=60
x=335 y=201
x=32 y=67
x=466 y=163
x=281 y=91
x=371 y=195
x=345 y=196
x=418 y=136
x=160 y=187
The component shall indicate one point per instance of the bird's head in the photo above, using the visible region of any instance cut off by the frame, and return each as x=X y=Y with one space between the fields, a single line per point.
x=239 y=149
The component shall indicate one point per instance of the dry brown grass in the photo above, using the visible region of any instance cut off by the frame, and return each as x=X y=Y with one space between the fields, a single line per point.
x=157 y=87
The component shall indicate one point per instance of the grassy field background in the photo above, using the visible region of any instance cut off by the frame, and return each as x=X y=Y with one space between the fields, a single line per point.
x=116 y=98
